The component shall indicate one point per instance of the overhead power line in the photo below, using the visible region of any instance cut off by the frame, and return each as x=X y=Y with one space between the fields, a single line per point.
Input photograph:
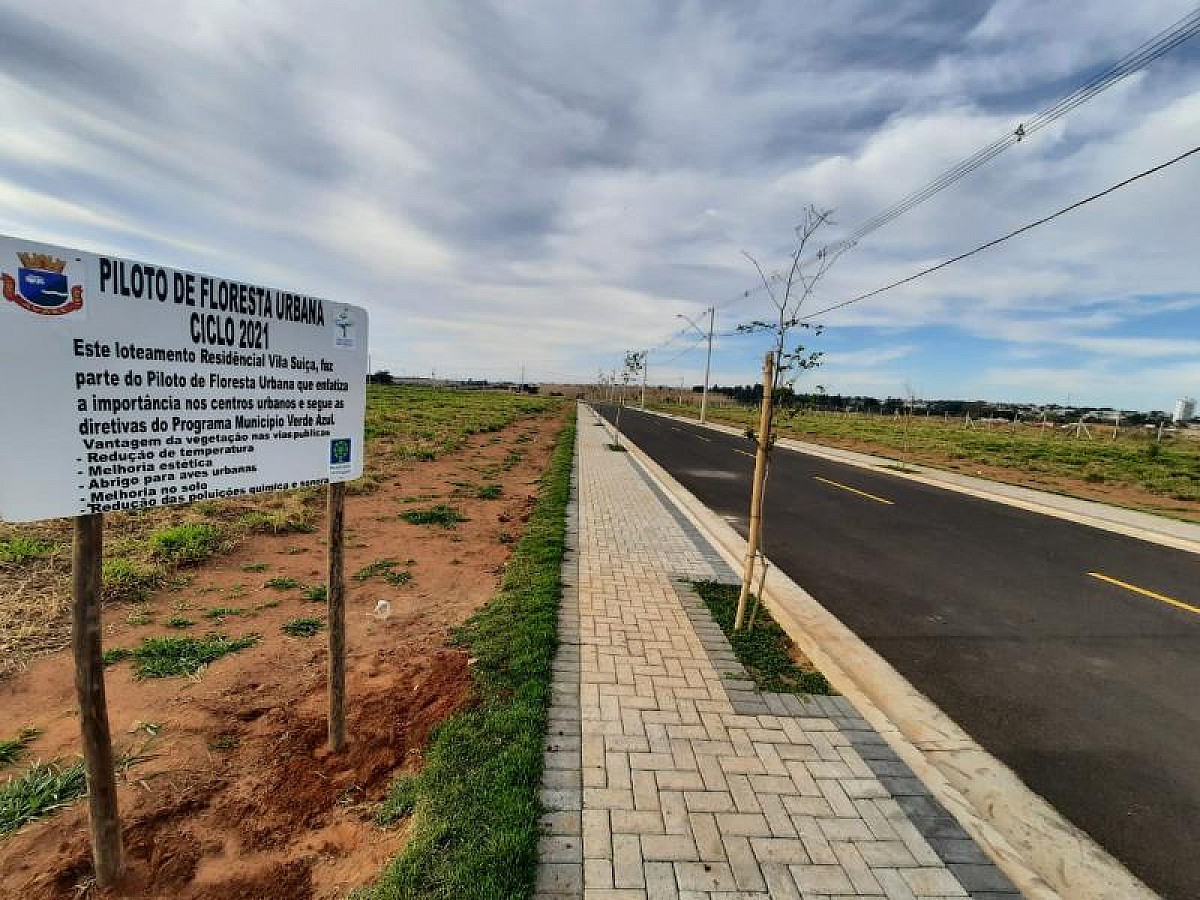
x=1009 y=236
x=1162 y=43
x=685 y=351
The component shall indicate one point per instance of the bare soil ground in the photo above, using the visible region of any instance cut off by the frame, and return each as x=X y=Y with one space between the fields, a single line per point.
x=228 y=791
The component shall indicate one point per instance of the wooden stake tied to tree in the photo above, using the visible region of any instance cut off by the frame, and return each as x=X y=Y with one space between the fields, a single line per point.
x=787 y=291
x=635 y=361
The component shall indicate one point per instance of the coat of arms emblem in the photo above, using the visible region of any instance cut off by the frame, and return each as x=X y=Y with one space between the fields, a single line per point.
x=42 y=286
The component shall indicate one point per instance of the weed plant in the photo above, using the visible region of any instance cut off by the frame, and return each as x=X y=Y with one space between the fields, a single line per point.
x=187 y=544
x=165 y=657
x=44 y=789
x=13 y=749
x=441 y=514
x=304 y=627
x=21 y=549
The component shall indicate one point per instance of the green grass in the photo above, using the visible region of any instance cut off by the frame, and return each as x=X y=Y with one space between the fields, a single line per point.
x=13 y=749
x=125 y=579
x=179 y=622
x=763 y=649
x=418 y=423
x=140 y=617
x=188 y=544
x=114 y=655
x=21 y=549
x=375 y=568
x=441 y=514
x=490 y=492
x=42 y=790
x=222 y=612
x=475 y=804
x=402 y=798
x=282 y=583
x=293 y=520
x=255 y=567
x=304 y=627
x=317 y=593
x=164 y=657
x=385 y=569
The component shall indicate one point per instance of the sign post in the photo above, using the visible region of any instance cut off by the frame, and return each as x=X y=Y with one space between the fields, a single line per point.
x=93 y=708
x=144 y=386
x=337 y=617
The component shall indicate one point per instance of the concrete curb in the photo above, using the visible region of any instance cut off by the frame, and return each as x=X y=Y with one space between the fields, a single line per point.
x=1131 y=523
x=1043 y=854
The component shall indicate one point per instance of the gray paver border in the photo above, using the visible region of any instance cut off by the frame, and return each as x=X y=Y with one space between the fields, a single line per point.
x=560 y=850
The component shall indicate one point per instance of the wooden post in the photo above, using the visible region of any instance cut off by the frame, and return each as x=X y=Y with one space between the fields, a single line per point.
x=756 y=492
x=337 y=616
x=93 y=707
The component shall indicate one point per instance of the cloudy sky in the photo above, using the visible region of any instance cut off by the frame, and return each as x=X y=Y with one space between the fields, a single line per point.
x=548 y=184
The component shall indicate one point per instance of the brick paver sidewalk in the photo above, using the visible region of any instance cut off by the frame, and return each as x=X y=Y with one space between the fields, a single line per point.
x=659 y=780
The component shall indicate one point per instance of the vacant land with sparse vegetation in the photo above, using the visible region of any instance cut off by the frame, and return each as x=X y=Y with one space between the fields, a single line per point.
x=1134 y=470
x=214 y=631
x=150 y=549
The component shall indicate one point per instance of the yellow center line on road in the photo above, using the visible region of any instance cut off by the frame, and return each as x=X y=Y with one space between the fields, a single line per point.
x=846 y=487
x=703 y=438
x=743 y=452
x=1162 y=598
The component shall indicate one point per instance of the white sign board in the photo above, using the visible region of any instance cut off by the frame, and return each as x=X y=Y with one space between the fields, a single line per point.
x=126 y=385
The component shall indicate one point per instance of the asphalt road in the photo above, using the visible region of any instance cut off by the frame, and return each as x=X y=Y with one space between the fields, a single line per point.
x=1087 y=689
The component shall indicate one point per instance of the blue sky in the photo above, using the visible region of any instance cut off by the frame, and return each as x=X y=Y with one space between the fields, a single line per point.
x=547 y=184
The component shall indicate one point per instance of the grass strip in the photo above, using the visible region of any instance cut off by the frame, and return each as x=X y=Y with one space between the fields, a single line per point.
x=765 y=649
x=43 y=789
x=475 y=804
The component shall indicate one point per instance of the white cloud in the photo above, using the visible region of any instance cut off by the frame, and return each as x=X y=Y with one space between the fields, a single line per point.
x=533 y=182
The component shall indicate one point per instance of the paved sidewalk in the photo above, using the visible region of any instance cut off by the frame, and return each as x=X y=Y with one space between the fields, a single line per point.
x=668 y=776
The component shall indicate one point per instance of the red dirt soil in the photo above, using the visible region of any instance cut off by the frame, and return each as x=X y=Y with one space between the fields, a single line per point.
x=234 y=794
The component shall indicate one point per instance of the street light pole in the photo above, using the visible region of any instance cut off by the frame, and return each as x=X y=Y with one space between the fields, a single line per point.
x=712 y=315
x=645 y=367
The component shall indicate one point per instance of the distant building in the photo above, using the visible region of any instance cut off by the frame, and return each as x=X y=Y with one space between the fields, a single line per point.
x=1185 y=410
